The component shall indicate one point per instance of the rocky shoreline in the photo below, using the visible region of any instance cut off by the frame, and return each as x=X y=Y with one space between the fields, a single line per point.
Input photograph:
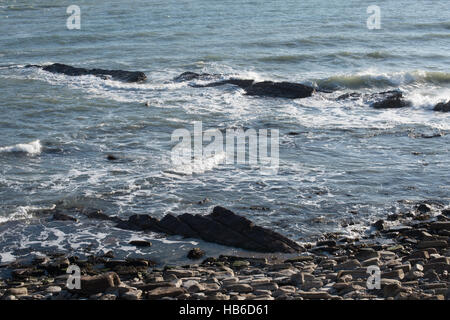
x=412 y=251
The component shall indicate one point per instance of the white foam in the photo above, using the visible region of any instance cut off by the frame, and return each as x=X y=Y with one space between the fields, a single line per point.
x=31 y=148
x=197 y=167
x=6 y=257
x=21 y=213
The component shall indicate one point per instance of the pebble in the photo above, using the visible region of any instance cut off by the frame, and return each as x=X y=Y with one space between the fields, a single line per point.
x=53 y=289
x=239 y=287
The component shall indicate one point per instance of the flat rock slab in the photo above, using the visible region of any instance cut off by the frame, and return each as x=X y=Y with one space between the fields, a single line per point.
x=99 y=283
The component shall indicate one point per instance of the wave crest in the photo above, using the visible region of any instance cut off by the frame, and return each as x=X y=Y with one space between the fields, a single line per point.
x=380 y=80
x=31 y=148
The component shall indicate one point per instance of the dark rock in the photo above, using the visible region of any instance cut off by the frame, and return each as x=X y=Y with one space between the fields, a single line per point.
x=222 y=226
x=33 y=66
x=129 y=262
x=63 y=217
x=324 y=249
x=423 y=208
x=438 y=267
x=25 y=273
x=272 y=241
x=142 y=222
x=214 y=231
x=154 y=285
x=195 y=253
x=389 y=100
x=379 y=225
x=442 y=107
x=266 y=88
x=279 y=90
x=188 y=76
x=138 y=262
x=57 y=266
x=366 y=253
x=393 y=217
x=382 y=100
x=351 y=96
x=99 y=283
x=140 y=243
x=431 y=136
x=326 y=243
x=203 y=201
x=391 y=289
x=431 y=275
x=111 y=157
x=176 y=226
x=98 y=214
x=126 y=76
x=442 y=225
x=397 y=274
x=241 y=83
x=432 y=244
x=257 y=262
x=109 y=255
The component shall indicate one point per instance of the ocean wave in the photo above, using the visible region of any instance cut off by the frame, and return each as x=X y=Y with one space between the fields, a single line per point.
x=380 y=80
x=21 y=213
x=31 y=148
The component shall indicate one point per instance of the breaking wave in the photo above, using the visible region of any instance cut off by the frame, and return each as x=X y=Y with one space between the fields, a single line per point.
x=380 y=80
x=31 y=148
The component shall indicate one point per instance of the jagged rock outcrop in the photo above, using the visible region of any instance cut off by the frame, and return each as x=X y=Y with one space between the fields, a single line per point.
x=222 y=226
x=121 y=75
x=389 y=100
x=382 y=100
x=272 y=89
x=442 y=107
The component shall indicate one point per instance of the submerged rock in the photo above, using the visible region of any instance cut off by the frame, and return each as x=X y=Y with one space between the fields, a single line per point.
x=121 y=75
x=349 y=96
x=99 y=283
x=442 y=107
x=267 y=88
x=241 y=83
x=195 y=253
x=222 y=226
x=140 y=243
x=188 y=76
x=382 y=100
x=280 y=90
x=288 y=90
x=389 y=100
x=63 y=217
x=111 y=157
